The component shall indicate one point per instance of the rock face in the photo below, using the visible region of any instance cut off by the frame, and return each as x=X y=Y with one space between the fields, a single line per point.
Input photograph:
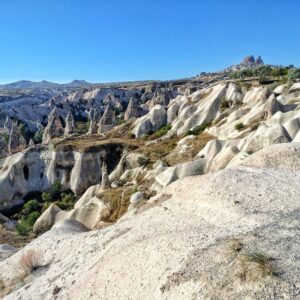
x=37 y=168
x=105 y=183
x=89 y=214
x=155 y=119
x=107 y=121
x=201 y=235
x=133 y=110
x=54 y=127
x=94 y=117
x=70 y=124
x=16 y=141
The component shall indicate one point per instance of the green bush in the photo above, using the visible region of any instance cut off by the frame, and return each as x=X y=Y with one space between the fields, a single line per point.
x=53 y=194
x=161 y=132
x=47 y=197
x=30 y=206
x=23 y=228
x=199 y=129
x=5 y=138
x=131 y=135
x=82 y=127
x=293 y=74
x=25 y=225
x=32 y=217
x=67 y=201
x=239 y=126
x=38 y=136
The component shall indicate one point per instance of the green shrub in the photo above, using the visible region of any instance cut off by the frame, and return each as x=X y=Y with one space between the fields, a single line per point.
x=23 y=228
x=199 y=129
x=293 y=74
x=56 y=188
x=32 y=217
x=161 y=132
x=54 y=192
x=239 y=126
x=29 y=207
x=82 y=127
x=47 y=197
x=5 y=138
x=131 y=135
x=25 y=225
x=67 y=201
x=38 y=136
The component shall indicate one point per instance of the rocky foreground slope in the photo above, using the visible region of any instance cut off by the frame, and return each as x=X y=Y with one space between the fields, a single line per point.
x=233 y=234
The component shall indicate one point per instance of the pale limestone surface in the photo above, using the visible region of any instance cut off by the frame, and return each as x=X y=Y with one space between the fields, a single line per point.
x=177 y=246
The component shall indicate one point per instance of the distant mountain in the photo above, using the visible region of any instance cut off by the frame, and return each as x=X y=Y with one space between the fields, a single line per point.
x=27 y=84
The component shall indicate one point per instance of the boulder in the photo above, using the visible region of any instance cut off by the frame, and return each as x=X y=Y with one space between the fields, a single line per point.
x=90 y=214
x=8 y=224
x=136 y=199
x=70 y=226
x=46 y=220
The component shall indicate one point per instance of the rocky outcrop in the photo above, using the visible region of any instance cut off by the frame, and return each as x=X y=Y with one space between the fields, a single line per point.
x=54 y=127
x=89 y=214
x=107 y=120
x=105 y=183
x=133 y=110
x=37 y=168
x=70 y=124
x=155 y=119
x=210 y=231
x=94 y=117
x=16 y=140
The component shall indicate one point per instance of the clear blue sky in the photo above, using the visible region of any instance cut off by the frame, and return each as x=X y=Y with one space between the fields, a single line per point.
x=118 y=40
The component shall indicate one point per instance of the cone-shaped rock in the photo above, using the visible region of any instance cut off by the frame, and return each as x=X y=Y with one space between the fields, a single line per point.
x=16 y=141
x=70 y=124
x=105 y=183
x=107 y=121
x=54 y=127
x=133 y=110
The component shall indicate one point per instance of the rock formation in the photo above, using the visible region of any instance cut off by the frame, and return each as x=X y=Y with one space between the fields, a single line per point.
x=107 y=120
x=70 y=124
x=54 y=127
x=105 y=183
x=16 y=141
x=133 y=110
x=203 y=227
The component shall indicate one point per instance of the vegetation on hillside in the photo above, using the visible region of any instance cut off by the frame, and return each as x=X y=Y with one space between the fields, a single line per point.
x=262 y=71
x=32 y=209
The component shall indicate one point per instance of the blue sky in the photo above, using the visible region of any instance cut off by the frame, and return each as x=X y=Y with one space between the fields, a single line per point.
x=116 y=40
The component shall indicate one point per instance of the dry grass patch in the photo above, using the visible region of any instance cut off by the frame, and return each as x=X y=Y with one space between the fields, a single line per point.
x=29 y=262
x=13 y=239
x=118 y=201
x=255 y=266
x=195 y=146
x=159 y=151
